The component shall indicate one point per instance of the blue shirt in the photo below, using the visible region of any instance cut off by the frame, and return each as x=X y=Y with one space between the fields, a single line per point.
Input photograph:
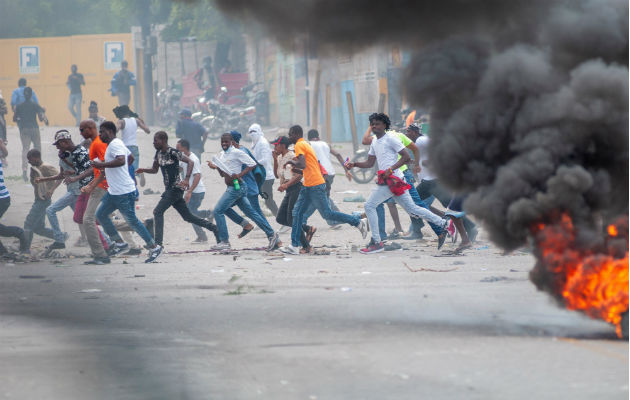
x=4 y=193
x=17 y=97
x=192 y=131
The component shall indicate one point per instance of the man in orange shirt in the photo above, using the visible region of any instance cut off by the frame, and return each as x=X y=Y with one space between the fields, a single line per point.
x=88 y=130
x=313 y=193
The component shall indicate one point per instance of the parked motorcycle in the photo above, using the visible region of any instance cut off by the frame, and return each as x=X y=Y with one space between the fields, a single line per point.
x=168 y=105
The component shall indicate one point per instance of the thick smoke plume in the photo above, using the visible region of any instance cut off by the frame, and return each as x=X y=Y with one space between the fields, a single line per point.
x=528 y=99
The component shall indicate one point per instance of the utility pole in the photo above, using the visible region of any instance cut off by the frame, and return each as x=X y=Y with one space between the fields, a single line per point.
x=144 y=16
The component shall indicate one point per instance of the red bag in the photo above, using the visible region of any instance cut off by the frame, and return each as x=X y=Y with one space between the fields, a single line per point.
x=79 y=208
x=396 y=185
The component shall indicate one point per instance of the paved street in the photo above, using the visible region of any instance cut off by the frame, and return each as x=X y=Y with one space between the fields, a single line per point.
x=255 y=325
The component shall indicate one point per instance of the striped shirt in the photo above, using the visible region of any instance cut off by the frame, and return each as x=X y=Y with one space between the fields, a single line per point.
x=4 y=193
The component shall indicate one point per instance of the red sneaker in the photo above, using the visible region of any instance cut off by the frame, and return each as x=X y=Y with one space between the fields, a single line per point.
x=373 y=248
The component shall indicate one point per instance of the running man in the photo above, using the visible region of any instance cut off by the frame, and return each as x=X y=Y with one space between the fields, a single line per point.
x=121 y=193
x=167 y=160
x=196 y=189
x=390 y=154
x=313 y=193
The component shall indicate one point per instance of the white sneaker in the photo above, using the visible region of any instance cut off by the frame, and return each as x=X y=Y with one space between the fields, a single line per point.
x=221 y=246
x=273 y=241
x=363 y=227
x=290 y=250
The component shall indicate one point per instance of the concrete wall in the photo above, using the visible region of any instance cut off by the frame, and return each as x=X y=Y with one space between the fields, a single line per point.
x=49 y=67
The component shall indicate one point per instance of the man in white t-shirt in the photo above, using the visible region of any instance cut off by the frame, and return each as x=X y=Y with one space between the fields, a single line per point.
x=128 y=124
x=121 y=191
x=386 y=149
x=196 y=190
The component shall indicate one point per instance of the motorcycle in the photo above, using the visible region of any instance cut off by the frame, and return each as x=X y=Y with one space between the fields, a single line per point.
x=168 y=105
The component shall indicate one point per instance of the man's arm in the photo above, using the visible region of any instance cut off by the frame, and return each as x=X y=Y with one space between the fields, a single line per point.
x=404 y=159
x=342 y=162
x=275 y=164
x=416 y=157
x=120 y=124
x=89 y=188
x=84 y=174
x=119 y=161
x=367 y=137
x=190 y=165
x=153 y=170
x=142 y=125
x=57 y=177
x=369 y=163
x=299 y=162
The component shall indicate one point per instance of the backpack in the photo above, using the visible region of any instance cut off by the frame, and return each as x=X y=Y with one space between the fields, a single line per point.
x=259 y=172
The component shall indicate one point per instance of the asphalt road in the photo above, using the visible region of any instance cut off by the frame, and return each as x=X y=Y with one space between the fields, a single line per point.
x=260 y=326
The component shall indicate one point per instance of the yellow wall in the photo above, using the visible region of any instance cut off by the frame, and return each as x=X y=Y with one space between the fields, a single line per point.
x=56 y=55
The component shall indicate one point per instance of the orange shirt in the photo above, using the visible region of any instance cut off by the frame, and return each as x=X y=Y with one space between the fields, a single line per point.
x=97 y=150
x=312 y=173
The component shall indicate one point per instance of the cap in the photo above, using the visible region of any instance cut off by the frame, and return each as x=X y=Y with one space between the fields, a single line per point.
x=60 y=135
x=281 y=140
x=236 y=136
x=415 y=127
x=186 y=112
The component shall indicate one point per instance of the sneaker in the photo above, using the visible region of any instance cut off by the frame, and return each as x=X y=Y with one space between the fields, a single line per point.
x=56 y=245
x=442 y=236
x=290 y=250
x=200 y=241
x=221 y=246
x=273 y=241
x=373 y=248
x=98 y=261
x=133 y=252
x=363 y=227
x=154 y=253
x=118 y=248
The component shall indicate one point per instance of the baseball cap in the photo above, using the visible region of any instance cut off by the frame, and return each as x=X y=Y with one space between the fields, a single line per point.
x=186 y=112
x=415 y=127
x=282 y=140
x=236 y=136
x=60 y=135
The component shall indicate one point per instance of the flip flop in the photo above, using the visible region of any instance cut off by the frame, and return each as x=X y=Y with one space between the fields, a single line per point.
x=244 y=232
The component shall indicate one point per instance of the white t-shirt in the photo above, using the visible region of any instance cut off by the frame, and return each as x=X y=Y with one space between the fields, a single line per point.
x=200 y=188
x=118 y=178
x=386 y=151
x=262 y=152
x=323 y=155
x=422 y=143
x=234 y=159
x=128 y=134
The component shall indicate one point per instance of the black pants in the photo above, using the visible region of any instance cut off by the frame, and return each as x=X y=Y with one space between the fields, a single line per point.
x=285 y=211
x=175 y=197
x=7 y=231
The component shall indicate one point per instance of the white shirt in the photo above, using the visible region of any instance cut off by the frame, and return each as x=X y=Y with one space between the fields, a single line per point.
x=128 y=133
x=200 y=188
x=118 y=178
x=262 y=152
x=386 y=151
x=234 y=159
x=422 y=143
x=322 y=150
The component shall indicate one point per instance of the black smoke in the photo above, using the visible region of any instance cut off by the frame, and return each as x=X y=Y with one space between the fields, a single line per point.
x=528 y=99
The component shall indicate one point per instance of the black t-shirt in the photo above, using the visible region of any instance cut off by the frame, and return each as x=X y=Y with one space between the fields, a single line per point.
x=26 y=114
x=75 y=81
x=169 y=165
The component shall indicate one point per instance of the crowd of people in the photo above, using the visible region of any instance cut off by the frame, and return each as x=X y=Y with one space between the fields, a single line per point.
x=101 y=174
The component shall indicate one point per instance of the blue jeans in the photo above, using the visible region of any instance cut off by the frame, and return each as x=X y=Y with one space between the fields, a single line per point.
x=313 y=198
x=74 y=105
x=125 y=203
x=193 y=206
x=238 y=219
x=67 y=200
x=416 y=223
x=233 y=197
x=136 y=157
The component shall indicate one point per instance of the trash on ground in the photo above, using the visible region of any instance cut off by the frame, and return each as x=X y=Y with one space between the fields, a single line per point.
x=89 y=291
x=495 y=279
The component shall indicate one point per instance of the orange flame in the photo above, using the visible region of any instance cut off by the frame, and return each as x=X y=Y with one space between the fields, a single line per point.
x=592 y=282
